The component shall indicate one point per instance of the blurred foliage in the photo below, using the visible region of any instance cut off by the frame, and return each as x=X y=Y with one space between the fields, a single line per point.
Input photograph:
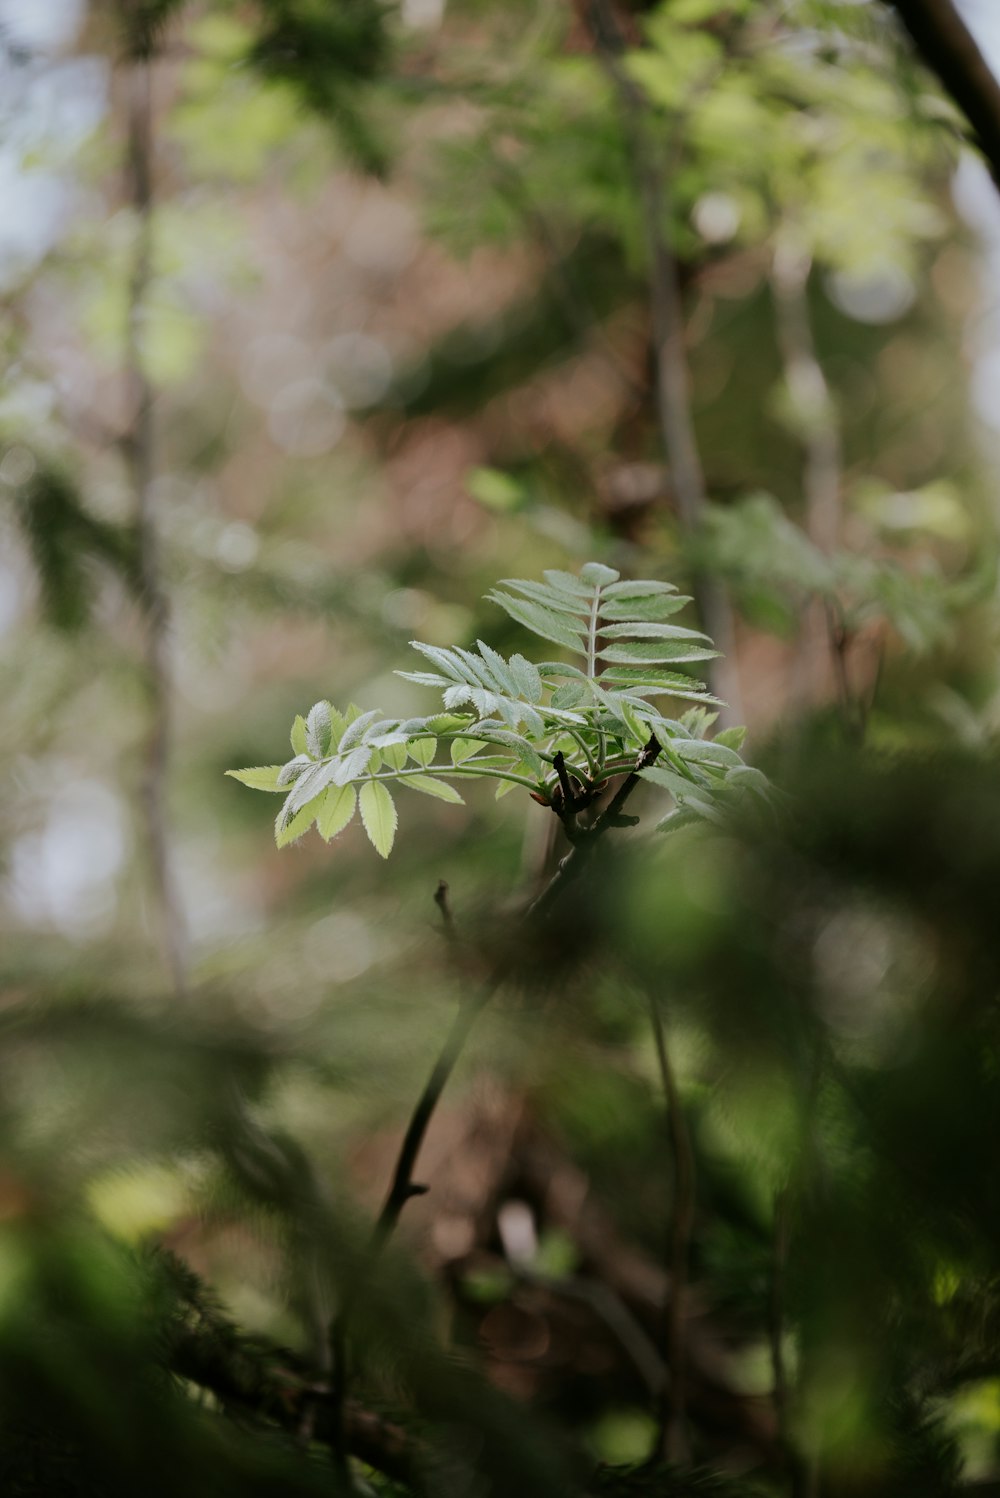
x=382 y=338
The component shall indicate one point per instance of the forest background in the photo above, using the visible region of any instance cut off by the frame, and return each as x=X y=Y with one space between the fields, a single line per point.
x=319 y=319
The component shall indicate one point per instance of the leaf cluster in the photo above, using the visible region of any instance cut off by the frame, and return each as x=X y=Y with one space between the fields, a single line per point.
x=559 y=729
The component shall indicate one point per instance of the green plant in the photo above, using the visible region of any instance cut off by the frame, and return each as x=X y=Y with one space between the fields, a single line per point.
x=561 y=730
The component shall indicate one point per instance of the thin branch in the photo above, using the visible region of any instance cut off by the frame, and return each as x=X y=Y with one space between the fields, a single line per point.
x=403 y=1185
x=811 y=394
x=270 y=1385
x=138 y=446
x=443 y=904
x=820 y=436
x=673 y=1442
x=261 y=1159
x=672 y=377
x=947 y=47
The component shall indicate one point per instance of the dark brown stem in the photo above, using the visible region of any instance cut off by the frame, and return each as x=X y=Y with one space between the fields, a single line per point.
x=947 y=47
x=672 y=379
x=443 y=904
x=403 y=1186
x=839 y=639
x=673 y=1442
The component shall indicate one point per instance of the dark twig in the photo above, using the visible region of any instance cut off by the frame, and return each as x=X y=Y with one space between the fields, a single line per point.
x=839 y=639
x=673 y=1442
x=443 y=904
x=947 y=47
x=403 y=1187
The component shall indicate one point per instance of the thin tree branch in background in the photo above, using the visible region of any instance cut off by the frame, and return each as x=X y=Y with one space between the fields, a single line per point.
x=673 y=1441
x=258 y=1158
x=673 y=393
x=443 y=903
x=839 y=640
x=816 y=423
x=138 y=445
x=947 y=47
x=811 y=394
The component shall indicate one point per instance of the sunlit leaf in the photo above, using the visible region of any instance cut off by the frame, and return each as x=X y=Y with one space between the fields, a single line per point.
x=431 y=786
x=378 y=813
x=262 y=778
x=336 y=810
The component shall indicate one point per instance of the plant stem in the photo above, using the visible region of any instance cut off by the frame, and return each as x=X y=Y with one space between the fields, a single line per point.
x=403 y=1186
x=673 y=1443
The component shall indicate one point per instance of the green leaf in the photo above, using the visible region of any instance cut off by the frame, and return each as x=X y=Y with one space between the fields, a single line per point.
x=578 y=603
x=353 y=765
x=665 y=683
x=294 y=769
x=599 y=575
x=463 y=749
x=378 y=813
x=732 y=738
x=354 y=732
x=569 y=583
x=312 y=782
x=642 y=631
x=422 y=750
x=296 y=828
x=652 y=652
x=262 y=778
x=336 y=810
x=529 y=683
x=667 y=780
x=748 y=778
x=703 y=751
x=500 y=673
x=540 y=620
x=659 y=606
x=396 y=754
x=636 y=726
x=445 y=660
x=299 y=737
x=496 y=490
x=637 y=588
x=569 y=695
x=431 y=786
x=446 y=722
x=425 y=678
x=520 y=745
x=561 y=670
x=319 y=726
